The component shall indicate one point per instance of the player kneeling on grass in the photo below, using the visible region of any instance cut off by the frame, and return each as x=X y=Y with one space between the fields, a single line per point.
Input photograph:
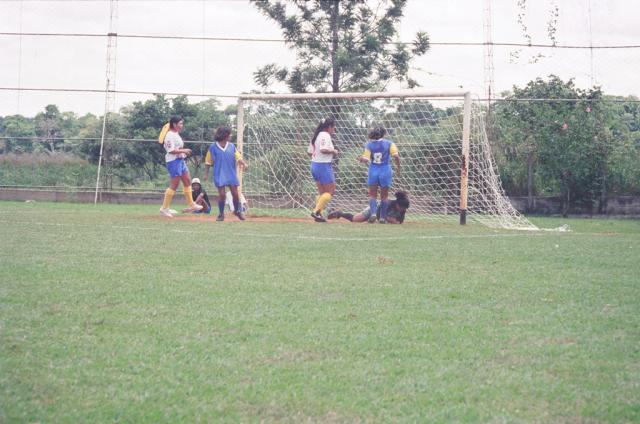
x=200 y=197
x=378 y=153
x=395 y=211
x=223 y=156
x=175 y=160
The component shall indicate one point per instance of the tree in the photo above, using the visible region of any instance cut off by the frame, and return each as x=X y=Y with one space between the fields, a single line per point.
x=571 y=143
x=17 y=127
x=340 y=45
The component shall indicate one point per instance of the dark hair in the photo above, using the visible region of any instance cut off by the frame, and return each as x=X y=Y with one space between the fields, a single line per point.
x=221 y=133
x=402 y=200
x=323 y=125
x=377 y=132
x=174 y=120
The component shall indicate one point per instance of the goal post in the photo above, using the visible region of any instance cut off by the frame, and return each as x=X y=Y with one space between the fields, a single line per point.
x=446 y=164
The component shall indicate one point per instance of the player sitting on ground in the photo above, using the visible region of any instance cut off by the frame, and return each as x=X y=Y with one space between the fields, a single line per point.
x=395 y=211
x=200 y=197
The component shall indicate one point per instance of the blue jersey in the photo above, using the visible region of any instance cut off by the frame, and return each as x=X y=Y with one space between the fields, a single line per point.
x=224 y=164
x=379 y=152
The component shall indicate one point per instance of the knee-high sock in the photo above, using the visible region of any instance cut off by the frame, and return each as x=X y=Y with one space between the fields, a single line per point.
x=187 y=195
x=236 y=205
x=168 y=196
x=221 y=207
x=323 y=201
x=373 y=206
x=383 y=209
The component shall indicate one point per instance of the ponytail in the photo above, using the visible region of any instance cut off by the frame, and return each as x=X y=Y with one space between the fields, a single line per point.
x=163 y=133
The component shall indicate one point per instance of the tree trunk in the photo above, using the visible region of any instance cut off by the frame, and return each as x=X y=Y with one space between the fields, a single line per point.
x=566 y=203
x=530 y=160
x=335 y=13
x=602 y=205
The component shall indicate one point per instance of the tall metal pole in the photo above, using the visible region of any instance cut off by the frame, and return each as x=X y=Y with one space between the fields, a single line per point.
x=110 y=85
x=464 y=168
x=488 y=64
x=240 y=134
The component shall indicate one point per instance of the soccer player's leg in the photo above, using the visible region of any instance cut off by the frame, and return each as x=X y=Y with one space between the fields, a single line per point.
x=186 y=189
x=175 y=176
x=237 y=211
x=373 y=202
x=222 y=196
x=385 y=179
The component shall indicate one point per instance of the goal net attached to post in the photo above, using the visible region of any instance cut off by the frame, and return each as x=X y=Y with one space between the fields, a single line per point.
x=446 y=164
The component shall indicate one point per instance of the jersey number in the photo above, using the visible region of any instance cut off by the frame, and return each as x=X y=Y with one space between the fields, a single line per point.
x=377 y=158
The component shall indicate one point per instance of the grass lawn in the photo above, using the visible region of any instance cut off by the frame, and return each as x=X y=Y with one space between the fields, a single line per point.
x=111 y=313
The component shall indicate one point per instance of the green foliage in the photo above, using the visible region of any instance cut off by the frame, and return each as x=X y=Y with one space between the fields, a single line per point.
x=42 y=169
x=340 y=45
x=582 y=147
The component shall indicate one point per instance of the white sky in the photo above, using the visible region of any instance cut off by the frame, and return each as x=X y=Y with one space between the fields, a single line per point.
x=226 y=67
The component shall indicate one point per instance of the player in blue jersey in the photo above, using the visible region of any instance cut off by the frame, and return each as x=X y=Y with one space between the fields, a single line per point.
x=224 y=157
x=378 y=153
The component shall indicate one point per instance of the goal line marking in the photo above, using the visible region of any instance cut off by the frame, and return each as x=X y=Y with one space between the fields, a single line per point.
x=286 y=236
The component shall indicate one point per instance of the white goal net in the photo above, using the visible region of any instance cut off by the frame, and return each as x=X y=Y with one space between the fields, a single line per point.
x=430 y=130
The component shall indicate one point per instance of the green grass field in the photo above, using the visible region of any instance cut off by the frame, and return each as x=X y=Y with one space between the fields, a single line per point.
x=110 y=313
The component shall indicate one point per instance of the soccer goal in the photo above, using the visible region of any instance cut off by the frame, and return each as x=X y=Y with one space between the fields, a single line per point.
x=446 y=164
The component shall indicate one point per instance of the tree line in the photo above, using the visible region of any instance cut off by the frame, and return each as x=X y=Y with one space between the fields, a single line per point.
x=579 y=144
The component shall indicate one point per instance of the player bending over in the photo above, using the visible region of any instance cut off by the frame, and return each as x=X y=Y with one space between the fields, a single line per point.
x=395 y=211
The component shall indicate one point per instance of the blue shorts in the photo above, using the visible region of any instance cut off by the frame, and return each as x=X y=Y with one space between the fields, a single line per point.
x=226 y=181
x=177 y=168
x=380 y=176
x=322 y=172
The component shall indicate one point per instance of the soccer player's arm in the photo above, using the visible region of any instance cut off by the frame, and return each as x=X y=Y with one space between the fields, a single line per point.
x=326 y=146
x=171 y=148
x=393 y=151
x=366 y=156
x=208 y=163
x=239 y=160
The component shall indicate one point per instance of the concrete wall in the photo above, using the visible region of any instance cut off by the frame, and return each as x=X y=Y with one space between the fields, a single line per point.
x=625 y=206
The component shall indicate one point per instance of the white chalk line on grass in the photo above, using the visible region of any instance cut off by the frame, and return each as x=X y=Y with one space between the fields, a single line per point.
x=289 y=236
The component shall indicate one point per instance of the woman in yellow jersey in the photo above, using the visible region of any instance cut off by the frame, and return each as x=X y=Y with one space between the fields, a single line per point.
x=322 y=154
x=177 y=168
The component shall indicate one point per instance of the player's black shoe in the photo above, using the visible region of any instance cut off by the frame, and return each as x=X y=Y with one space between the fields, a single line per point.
x=220 y=218
x=317 y=216
x=240 y=215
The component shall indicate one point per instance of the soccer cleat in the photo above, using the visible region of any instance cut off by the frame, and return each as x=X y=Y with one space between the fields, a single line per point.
x=334 y=214
x=240 y=215
x=372 y=219
x=173 y=211
x=317 y=216
x=166 y=212
x=220 y=218
x=382 y=221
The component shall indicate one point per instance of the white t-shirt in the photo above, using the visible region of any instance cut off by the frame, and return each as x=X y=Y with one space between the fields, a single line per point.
x=323 y=141
x=173 y=141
